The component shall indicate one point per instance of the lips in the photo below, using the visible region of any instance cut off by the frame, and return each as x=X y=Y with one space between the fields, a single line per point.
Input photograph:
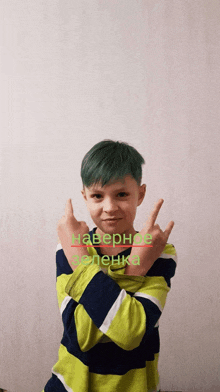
x=111 y=219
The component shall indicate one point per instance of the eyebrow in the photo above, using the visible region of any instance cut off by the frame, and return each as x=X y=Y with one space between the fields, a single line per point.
x=116 y=190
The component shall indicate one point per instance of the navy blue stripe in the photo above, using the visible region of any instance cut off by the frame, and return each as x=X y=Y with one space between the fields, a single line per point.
x=54 y=385
x=63 y=266
x=69 y=339
x=68 y=314
x=163 y=267
x=101 y=290
x=152 y=312
x=108 y=358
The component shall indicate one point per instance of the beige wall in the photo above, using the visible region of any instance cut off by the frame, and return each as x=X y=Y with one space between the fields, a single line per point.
x=76 y=72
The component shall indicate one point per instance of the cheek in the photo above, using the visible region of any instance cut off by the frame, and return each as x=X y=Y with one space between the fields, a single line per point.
x=93 y=209
x=130 y=210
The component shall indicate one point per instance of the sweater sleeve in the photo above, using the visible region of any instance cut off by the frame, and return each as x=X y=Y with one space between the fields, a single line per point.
x=121 y=307
x=76 y=321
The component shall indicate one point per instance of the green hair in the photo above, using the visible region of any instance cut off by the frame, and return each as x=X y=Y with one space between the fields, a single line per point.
x=110 y=161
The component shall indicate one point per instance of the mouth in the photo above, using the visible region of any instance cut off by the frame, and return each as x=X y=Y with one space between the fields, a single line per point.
x=112 y=220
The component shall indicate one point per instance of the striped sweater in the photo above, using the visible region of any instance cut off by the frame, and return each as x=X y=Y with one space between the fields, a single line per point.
x=111 y=329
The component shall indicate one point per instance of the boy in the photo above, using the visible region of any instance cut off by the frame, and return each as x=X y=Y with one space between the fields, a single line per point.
x=111 y=297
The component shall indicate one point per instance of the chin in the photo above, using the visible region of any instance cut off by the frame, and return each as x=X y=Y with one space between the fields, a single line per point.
x=113 y=230
x=110 y=230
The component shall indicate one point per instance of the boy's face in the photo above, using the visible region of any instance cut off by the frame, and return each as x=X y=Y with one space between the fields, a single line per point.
x=113 y=206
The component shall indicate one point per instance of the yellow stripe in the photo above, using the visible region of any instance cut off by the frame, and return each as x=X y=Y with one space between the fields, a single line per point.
x=156 y=286
x=133 y=380
x=129 y=334
x=62 y=281
x=88 y=335
x=169 y=249
x=78 y=377
x=75 y=373
x=80 y=279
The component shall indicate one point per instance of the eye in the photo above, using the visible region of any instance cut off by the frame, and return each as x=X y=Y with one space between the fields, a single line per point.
x=96 y=196
x=123 y=194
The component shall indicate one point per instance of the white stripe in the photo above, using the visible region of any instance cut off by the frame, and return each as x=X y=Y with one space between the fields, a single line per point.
x=157 y=324
x=112 y=312
x=104 y=269
x=152 y=299
x=59 y=246
x=64 y=303
x=61 y=378
x=168 y=256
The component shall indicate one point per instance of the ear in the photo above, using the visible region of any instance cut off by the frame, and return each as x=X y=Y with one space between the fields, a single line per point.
x=84 y=194
x=142 y=191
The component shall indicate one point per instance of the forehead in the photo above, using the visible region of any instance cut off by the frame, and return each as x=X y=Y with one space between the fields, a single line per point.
x=125 y=183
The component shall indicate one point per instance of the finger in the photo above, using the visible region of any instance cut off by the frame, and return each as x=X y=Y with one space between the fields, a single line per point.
x=153 y=215
x=69 y=208
x=168 y=229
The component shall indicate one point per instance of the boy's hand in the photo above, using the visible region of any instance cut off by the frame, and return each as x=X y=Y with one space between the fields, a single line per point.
x=159 y=239
x=67 y=226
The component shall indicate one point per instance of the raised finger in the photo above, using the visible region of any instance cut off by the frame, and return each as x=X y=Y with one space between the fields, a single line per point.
x=168 y=229
x=153 y=215
x=69 y=208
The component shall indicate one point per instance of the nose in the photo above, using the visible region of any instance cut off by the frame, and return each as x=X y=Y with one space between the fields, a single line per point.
x=109 y=205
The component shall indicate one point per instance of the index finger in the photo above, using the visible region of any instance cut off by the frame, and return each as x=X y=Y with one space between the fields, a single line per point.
x=69 y=208
x=153 y=215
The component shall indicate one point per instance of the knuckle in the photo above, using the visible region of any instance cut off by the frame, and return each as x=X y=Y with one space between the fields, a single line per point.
x=156 y=234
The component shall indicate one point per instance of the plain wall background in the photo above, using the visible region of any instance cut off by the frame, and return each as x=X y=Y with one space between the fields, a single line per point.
x=74 y=73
